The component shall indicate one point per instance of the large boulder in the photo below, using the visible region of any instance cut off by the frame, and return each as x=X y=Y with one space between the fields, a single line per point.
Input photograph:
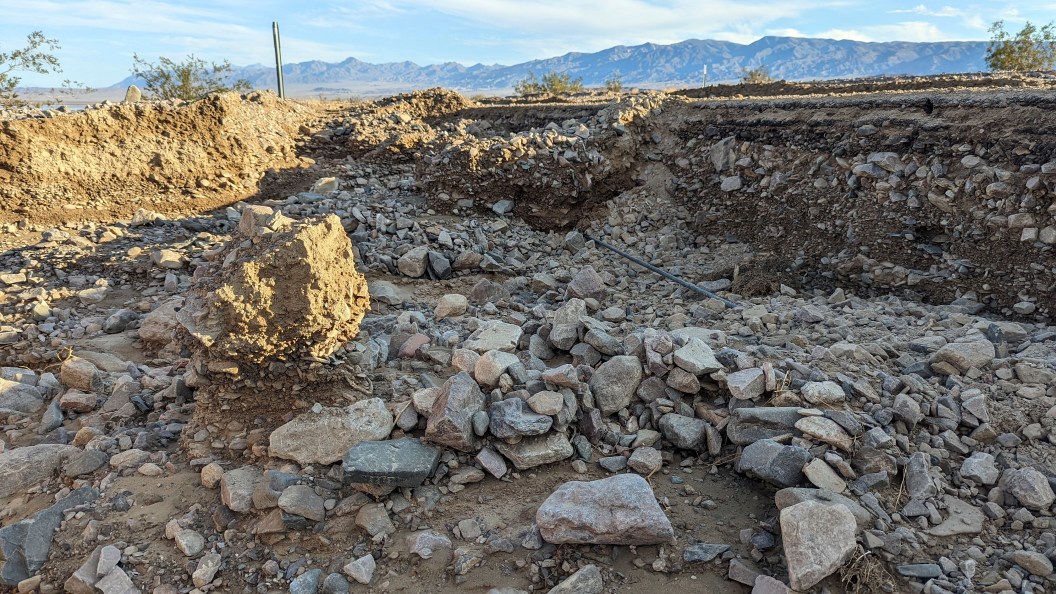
x=293 y=292
x=619 y=510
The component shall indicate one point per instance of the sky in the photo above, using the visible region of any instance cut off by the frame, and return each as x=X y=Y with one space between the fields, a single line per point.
x=99 y=37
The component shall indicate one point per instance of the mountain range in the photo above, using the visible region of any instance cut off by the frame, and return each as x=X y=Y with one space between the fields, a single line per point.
x=647 y=65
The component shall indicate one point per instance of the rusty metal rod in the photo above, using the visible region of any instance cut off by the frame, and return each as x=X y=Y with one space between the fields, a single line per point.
x=661 y=272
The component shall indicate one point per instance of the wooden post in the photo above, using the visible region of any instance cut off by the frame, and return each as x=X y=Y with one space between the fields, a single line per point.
x=278 y=59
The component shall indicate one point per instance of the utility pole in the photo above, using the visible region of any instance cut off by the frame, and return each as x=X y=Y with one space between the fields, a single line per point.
x=278 y=59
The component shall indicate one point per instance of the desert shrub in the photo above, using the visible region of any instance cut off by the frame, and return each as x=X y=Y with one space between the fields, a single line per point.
x=190 y=79
x=552 y=83
x=756 y=76
x=1032 y=48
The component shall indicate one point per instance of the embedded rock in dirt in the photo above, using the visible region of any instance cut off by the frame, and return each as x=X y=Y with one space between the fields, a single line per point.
x=325 y=437
x=818 y=540
x=294 y=292
x=620 y=510
x=22 y=467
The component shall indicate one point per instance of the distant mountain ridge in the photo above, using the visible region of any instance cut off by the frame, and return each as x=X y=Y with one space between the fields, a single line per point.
x=649 y=65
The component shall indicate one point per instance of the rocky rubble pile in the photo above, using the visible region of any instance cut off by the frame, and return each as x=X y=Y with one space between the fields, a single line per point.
x=519 y=411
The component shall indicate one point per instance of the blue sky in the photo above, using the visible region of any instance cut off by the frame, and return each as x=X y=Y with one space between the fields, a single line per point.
x=98 y=37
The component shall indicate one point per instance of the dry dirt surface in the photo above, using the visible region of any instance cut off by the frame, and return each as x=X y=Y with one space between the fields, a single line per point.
x=198 y=395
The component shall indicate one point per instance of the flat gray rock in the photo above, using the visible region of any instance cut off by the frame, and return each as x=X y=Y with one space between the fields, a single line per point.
x=23 y=467
x=536 y=451
x=24 y=546
x=619 y=510
x=774 y=463
x=750 y=424
x=325 y=437
x=404 y=462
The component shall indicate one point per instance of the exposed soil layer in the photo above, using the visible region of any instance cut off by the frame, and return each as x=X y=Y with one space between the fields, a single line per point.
x=103 y=164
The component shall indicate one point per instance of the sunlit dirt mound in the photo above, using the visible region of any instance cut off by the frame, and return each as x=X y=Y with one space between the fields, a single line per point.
x=103 y=164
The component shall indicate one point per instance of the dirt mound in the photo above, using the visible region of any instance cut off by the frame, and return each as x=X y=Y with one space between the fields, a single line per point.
x=105 y=163
x=293 y=292
x=394 y=127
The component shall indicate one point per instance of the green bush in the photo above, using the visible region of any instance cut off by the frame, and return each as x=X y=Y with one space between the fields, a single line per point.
x=37 y=57
x=188 y=80
x=552 y=83
x=614 y=84
x=756 y=76
x=1030 y=49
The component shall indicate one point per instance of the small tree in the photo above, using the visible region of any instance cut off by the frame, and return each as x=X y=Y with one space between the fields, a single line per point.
x=1030 y=49
x=756 y=76
x=553 y=83
x=35 y=57
x=189 y=80
x=614 y=84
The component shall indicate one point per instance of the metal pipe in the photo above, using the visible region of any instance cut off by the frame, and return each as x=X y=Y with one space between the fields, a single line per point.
x=662 y=272
x=278 y=59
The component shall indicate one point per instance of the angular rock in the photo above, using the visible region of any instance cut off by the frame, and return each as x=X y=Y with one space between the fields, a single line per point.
x=966 y=355
x=512 y=418
x=427 y=542
x=20 y=397
x=24 y=546
x=536 y=451
x=615 y=382
x=325 y=437
x=491 y=365
x=1028 y=486
x=963 y=519
x=451 y=419
x=826 y=431
x=414 y=262
x=495 y=335
x=236 y=488
x=697 y=358
x=685 y=433
x=23 y=467
x=586 y=284
x=703 y=553
x=301 y=500
x=450 y=305
x=823 y=393
x=774 y=463
x=750 y=424
x=404 y=462
x=585 y=581
x=362 y=569
x=793 y=495
x=818 y=540
x=619 y=510
x=747 y=384
x=980 y=467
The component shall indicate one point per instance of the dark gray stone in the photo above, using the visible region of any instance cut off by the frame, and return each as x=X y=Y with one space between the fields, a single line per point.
x=750 y=424
x=512 y=418
x=335 y=583
x=774 y=463
x=404 y=462
x=24 y=546
x=702 y=553
x=307 y=582
x=920 y=570
x=686 y=433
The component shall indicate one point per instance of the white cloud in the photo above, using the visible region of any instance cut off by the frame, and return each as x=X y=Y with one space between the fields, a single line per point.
x=904 y=31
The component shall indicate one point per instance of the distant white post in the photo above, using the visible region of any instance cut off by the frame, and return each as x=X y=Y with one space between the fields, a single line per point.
x=278 y=59
x=705 y=82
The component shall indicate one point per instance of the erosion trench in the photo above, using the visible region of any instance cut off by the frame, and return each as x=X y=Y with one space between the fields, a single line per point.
x=251 y=345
